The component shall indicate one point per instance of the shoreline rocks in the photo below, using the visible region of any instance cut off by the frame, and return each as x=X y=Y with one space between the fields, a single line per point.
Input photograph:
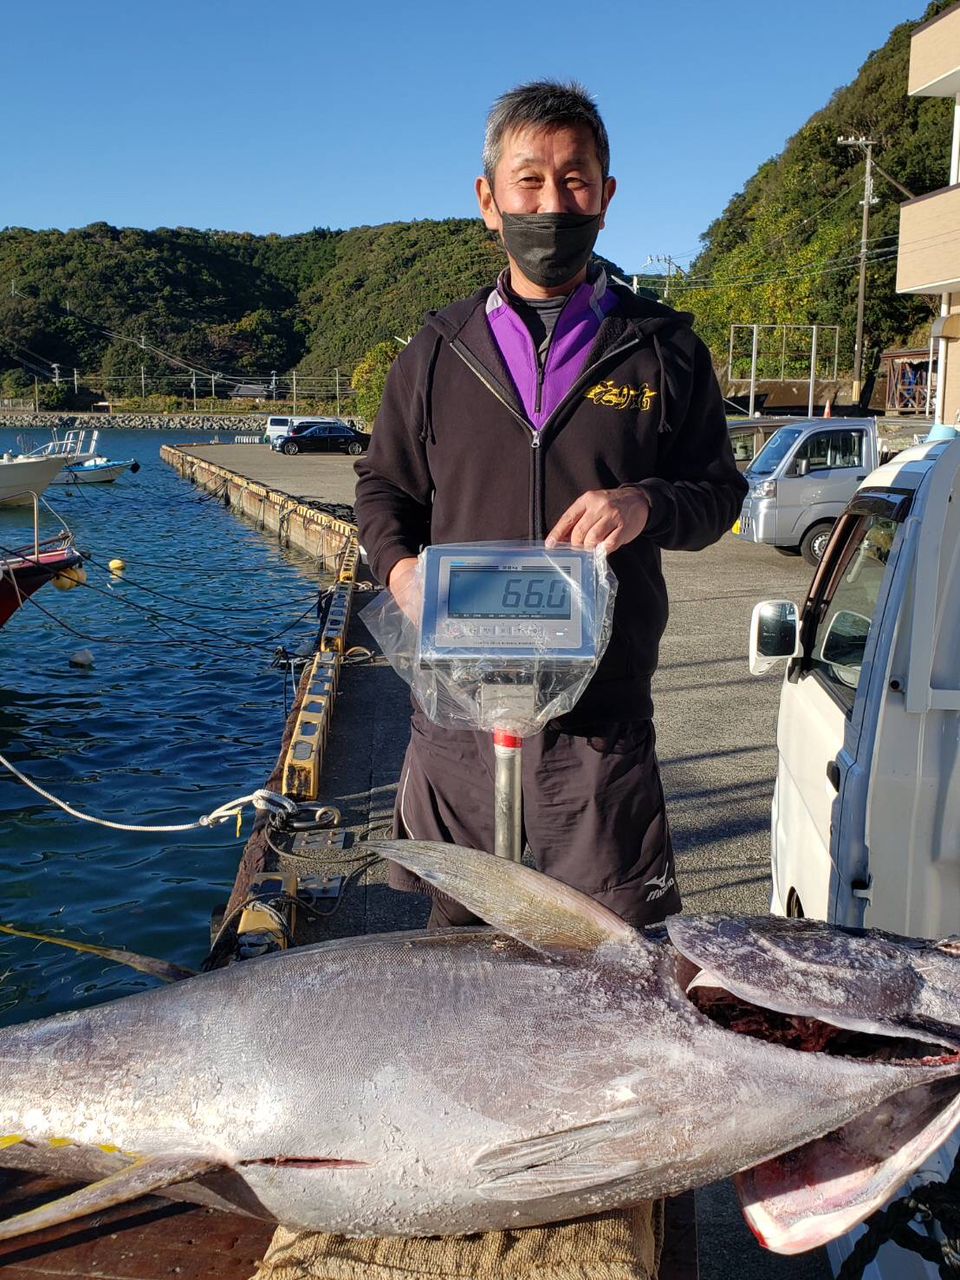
x=238 y=423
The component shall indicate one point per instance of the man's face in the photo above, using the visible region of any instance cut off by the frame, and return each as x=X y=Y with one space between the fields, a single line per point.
x=545 y=171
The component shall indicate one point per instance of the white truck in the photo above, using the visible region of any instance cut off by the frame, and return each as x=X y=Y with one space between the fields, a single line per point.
x=865 y=821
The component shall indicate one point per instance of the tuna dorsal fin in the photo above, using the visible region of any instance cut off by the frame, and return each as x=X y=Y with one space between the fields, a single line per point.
x=137 y=1179
x=537 y=910
x=146 y=964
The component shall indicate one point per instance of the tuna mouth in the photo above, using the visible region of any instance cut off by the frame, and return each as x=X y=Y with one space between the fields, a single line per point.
x=806 y=1034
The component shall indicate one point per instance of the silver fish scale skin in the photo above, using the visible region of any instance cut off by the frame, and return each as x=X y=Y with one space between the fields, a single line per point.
x=470 y=1083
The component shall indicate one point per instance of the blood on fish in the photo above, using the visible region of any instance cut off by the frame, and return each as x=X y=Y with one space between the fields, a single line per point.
x=791 y=1030
x=309 y=1162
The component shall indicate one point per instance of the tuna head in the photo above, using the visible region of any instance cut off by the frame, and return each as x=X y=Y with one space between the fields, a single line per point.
x=870 y=996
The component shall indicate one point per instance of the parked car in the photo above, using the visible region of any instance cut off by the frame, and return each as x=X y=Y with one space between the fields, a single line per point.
x=278 y=427
x=322 y=436
x=802 y=479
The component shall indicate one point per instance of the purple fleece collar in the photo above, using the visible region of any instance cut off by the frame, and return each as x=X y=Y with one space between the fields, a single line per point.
x=569 y=347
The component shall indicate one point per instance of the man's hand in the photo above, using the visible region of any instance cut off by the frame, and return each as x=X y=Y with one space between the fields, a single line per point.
x=404 y=586
x=602 y=517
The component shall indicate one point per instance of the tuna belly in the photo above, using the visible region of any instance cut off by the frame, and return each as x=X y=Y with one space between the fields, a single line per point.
x=823 y=1189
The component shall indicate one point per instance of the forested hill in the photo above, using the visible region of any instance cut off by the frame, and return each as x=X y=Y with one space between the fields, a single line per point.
x=786 y=248
x=226 y=301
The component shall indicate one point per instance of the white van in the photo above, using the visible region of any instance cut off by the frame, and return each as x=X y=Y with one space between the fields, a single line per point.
x=865 y=822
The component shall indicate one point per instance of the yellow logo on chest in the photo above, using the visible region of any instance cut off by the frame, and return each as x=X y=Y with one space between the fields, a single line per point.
x=625 y=397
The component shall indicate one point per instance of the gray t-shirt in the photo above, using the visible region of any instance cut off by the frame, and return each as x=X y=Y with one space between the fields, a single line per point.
x=540 y=315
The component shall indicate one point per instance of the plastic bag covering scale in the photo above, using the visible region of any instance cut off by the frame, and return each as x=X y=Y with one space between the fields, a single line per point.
x=500 y=635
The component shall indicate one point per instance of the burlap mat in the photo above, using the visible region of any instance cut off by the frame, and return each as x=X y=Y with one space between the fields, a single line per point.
x=624 y=1245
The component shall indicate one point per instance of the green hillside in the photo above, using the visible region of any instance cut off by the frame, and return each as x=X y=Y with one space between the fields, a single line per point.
x=126 y=307
x=786 y=248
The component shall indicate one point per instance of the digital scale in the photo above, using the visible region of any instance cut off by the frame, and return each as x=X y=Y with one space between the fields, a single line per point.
x=508 y=607
x=507 y=637
x=510 y=635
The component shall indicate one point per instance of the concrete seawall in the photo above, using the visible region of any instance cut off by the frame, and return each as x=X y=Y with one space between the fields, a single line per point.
x=228 y=423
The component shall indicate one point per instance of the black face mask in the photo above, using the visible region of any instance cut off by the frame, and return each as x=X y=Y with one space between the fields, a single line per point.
x=550 y=248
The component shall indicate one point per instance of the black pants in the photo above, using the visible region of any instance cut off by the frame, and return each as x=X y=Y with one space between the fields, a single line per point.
x=593 y=812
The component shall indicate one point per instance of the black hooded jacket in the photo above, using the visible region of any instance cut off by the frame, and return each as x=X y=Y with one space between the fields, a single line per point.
x=454 y=458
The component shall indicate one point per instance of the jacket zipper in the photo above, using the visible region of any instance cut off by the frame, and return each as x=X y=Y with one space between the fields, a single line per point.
x=537 y=522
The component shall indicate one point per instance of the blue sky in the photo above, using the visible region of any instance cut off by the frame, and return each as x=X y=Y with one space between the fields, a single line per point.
x=298 y=113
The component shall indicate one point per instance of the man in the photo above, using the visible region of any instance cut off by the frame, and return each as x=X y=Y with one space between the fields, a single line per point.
x=553 y=406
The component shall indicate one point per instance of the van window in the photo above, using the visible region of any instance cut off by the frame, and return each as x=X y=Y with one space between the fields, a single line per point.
x=842 y=632
x=830 y=449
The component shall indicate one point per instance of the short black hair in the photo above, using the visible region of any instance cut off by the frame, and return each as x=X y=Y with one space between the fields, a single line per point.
x=544 y=104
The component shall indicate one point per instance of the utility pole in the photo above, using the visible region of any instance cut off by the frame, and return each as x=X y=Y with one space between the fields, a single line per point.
x=337 y=376
x=273 y=384
x=193 y=383
x=75 y=387
x=56 y=375
x=294 y=391
x=866 y=145
x=36 y=395
x=143 y=383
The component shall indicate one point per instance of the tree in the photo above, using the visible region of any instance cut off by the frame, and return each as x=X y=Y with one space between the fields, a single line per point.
x=370 y=377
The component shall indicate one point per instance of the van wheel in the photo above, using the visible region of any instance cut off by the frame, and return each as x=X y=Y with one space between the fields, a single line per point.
x=291 y=447
x=815 y=542
x=794 y=906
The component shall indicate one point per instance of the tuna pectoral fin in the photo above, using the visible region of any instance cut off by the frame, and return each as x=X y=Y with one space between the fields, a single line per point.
x=824 y=1189
x=137 y=1179
x=533 y=908
x=580 y=1159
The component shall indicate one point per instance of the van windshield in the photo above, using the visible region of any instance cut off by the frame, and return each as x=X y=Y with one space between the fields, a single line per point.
x=774 y=451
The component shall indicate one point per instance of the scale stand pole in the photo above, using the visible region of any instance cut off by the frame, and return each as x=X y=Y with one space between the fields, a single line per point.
x=507 y=795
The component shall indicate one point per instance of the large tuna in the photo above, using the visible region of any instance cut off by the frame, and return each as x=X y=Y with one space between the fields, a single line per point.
x=558 y=1065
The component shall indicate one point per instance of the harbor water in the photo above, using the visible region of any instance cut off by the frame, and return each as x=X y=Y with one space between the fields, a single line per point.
x=181 y=711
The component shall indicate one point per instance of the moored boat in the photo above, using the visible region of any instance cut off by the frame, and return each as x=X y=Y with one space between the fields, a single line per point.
x=25 y=475
x=95 y=470
x=26 y=569
x=21 y=478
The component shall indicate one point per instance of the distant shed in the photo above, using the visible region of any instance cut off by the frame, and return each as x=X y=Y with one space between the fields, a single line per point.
x=911 y=380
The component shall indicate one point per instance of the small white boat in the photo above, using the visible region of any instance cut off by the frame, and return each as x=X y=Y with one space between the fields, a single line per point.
x=26 y=474
x=22 y=477
x=95 y=470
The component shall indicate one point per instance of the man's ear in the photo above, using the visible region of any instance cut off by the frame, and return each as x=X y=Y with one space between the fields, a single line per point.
x=488 y=207
x=609 y=187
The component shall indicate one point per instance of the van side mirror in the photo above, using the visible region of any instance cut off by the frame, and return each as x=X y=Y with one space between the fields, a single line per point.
x=774 y=634
x=801 y=467
x=846 y=640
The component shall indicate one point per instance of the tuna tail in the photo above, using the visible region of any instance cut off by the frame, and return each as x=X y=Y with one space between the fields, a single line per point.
x=137 y=1179
x=545 y=915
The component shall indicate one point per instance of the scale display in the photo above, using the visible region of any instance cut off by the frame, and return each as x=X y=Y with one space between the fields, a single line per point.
x=529 y=603
x=494 y=593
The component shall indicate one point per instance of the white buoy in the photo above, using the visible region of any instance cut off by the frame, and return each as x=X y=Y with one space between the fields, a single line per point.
x=82 y=658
